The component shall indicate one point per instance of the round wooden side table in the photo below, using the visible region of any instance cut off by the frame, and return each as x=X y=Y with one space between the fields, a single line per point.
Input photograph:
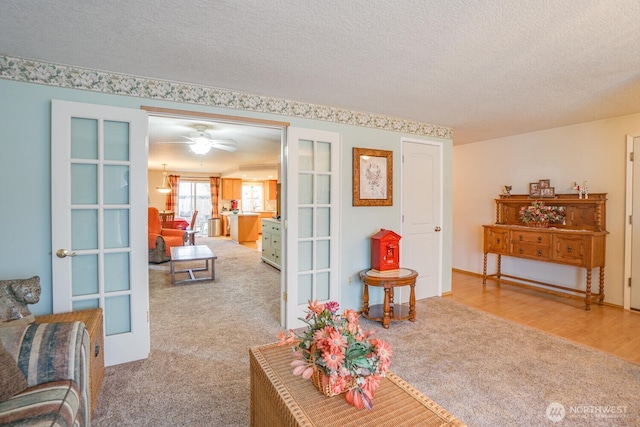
x=389 y=311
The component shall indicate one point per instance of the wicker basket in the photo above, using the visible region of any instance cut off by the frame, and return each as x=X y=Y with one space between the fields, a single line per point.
x=316 y=379
x=538 y=224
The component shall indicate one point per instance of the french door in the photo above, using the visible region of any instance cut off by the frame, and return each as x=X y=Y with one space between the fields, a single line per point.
x=99 y=221
x=312 y=225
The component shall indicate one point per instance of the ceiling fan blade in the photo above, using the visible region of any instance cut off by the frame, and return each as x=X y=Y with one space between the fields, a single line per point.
x=229 y=148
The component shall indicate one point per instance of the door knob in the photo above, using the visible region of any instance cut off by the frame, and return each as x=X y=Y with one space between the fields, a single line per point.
x=437 y=229
x=62 y=253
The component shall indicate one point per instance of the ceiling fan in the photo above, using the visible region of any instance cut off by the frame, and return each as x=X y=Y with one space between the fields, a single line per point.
x=201 y=141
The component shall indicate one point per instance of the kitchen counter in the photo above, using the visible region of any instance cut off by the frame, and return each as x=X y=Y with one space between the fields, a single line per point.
x=243 y=227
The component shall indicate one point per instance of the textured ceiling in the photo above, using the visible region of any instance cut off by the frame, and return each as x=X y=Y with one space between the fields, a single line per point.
x=486 y=68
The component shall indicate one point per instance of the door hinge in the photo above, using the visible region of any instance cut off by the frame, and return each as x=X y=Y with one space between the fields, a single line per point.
x=629 y=281
x=285 y=297
x=630 y=219
x=631 y=156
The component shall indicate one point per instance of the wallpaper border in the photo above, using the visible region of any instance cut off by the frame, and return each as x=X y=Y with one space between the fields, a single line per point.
x=30 y=71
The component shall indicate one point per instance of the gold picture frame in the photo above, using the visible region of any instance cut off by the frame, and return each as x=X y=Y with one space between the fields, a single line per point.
x=372 y=177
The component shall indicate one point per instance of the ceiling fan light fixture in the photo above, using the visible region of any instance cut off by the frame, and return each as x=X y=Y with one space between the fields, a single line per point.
x=165 y=188
x=200 y=147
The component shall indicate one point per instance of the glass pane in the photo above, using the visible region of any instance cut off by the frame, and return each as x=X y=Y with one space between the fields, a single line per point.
x=85 y=304
x=304 y=288
x=84 y=275
x=116 y=228
x=117 y=315
x=116 y=272
x=116 y=185
x=84 y=138
x=323 y=192
x=84 y=229
x=322 y=286
x=305 y=222
x=305 y=256
x=322 y=254
x=84 y=184
x=305 y=188
x=305 y=155
x=252 y=197
x=323 y=224
x=323 y=163
x=116 y=140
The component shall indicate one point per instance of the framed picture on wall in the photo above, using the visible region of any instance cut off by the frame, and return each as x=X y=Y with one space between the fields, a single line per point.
x=372 y=177
x=544 y=183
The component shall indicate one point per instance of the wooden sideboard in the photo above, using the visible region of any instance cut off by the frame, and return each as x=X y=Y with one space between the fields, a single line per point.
x=579 y=242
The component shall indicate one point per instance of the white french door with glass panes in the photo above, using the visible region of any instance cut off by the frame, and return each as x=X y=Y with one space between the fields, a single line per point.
x=312 y=226
x=99 y=221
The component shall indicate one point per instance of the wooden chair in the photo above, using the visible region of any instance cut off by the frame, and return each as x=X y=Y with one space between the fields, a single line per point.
x=191 y=231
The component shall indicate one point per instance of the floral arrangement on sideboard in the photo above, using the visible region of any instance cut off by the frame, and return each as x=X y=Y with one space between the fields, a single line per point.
x=337 y=355
x=540 y=215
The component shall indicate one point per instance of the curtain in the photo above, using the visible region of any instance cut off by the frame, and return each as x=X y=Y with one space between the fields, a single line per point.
x=171 y=202
x=214 y=184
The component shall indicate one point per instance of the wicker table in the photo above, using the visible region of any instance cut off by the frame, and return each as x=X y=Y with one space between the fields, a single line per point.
x=278 y=398
x=92 y=320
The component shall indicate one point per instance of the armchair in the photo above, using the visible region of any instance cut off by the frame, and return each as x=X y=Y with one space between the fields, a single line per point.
x=161 y=240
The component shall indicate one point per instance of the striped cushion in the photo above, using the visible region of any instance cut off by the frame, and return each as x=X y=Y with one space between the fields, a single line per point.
x=50 y=352
x=51 y=404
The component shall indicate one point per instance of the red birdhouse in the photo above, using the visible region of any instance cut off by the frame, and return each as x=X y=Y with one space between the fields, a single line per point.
x=385 y=251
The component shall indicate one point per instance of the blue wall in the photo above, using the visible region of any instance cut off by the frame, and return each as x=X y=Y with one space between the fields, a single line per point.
x=25 y=186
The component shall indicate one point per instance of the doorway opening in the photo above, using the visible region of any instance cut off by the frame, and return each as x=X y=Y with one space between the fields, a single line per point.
x=238 y=150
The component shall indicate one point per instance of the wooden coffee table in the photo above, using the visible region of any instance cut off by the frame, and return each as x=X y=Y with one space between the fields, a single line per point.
x=193 y=253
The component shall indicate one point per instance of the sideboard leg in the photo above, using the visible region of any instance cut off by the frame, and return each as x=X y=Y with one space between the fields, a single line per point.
x=601 y=289
x=484 y=270
x=499 y=272
x=587 y=298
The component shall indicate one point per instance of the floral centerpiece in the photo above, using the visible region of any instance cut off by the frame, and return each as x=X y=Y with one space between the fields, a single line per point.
x=541 y=215
x=337 y=355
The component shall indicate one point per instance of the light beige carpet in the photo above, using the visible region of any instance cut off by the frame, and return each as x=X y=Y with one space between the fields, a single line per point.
x=485 y=370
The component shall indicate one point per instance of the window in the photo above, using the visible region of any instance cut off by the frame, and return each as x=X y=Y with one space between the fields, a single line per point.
x=195 y=195
x=253 y=197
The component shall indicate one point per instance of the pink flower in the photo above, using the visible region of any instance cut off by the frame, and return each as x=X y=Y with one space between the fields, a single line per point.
x=336 y=341
x=315 y=307
x=286 y=339
x=333 y=360
x=332 y=306
x=383 y=350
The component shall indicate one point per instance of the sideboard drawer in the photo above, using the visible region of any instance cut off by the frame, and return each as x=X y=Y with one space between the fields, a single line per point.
x=570 y=250
x=542 y=253
x=496 y=240
x=524 y=236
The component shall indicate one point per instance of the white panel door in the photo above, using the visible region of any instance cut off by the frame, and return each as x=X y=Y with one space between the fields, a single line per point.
x=312 y=225
x=99 y=221
x=635 y=240
x=421 y=243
